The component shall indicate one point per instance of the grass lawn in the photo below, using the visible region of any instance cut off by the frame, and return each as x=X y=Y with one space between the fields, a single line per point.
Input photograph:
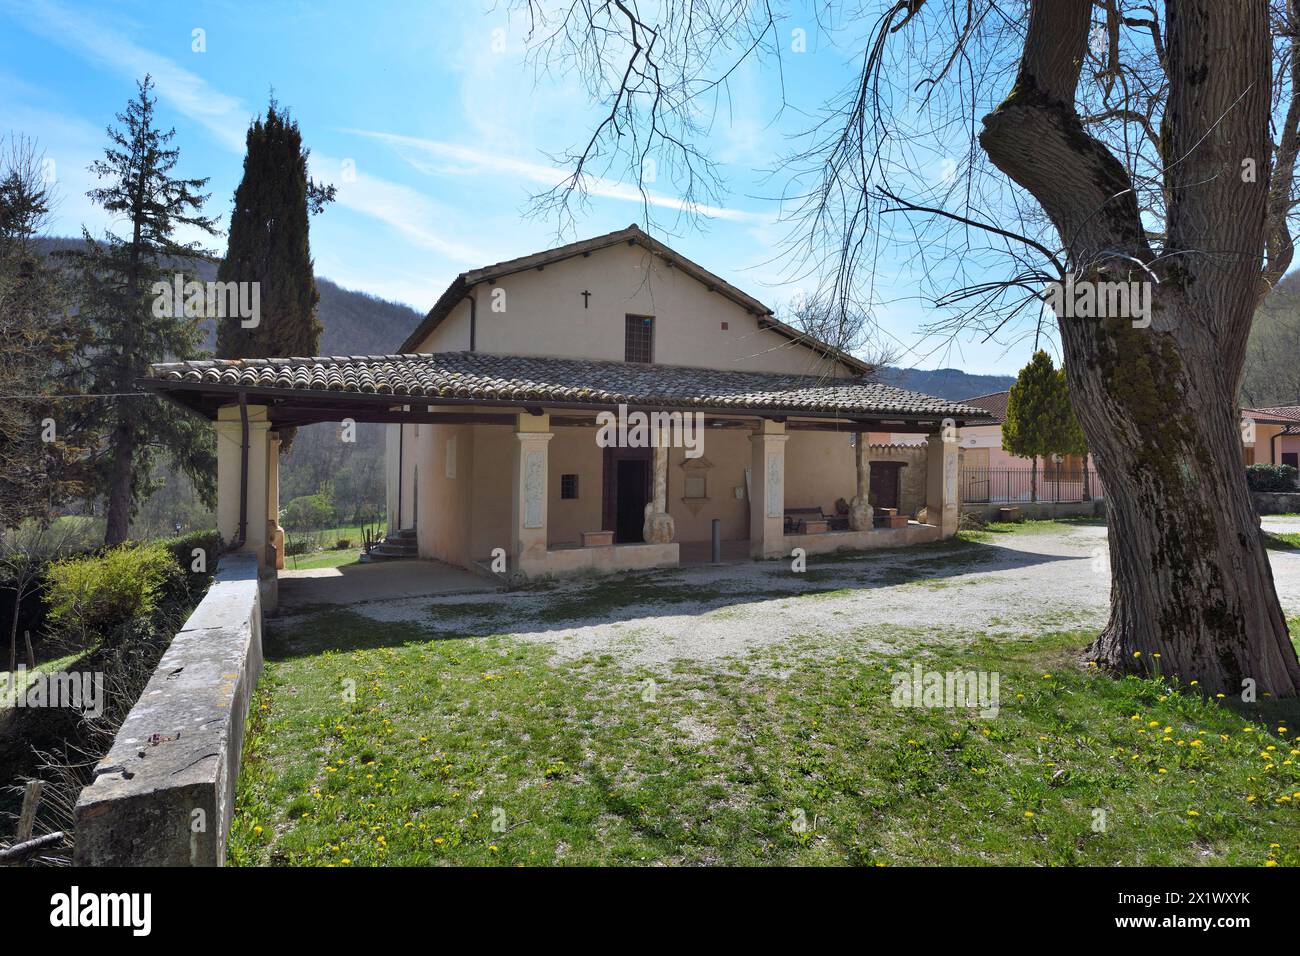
x=327 y=557
x=54 y=666
x=321 y=559
x=1282 y=540
x=486 y=750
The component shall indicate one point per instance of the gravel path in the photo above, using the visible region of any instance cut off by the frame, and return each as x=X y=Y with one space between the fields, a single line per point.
x=1025 y=582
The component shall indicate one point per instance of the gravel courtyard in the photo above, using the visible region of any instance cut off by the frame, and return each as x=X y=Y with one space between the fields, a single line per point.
x=1041 y=577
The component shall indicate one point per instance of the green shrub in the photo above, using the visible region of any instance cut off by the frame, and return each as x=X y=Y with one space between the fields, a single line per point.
x=342 y=544
x=300 y=544
x=182 y=549
x=100 y=593
x=308 y=512
x=1271 y=477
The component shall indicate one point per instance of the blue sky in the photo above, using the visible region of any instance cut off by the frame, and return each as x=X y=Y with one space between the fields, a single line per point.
x=434 y=130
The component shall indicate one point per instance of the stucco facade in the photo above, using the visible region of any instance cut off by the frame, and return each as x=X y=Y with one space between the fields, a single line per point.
x=452 y=482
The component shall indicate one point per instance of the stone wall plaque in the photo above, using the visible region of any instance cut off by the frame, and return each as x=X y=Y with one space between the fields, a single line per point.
x=775 y=488
x=534 y=488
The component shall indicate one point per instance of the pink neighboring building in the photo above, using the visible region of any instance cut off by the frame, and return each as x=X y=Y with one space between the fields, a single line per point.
x=1271 y=436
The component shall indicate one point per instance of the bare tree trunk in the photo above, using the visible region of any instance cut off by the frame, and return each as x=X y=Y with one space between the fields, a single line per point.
x=1190 y=580
x=13 y=633
x=1033 y=479
x=1190 y=576
x=119 y=488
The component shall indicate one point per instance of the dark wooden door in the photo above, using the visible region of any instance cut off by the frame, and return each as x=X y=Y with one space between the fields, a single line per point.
x=633 y=493
x=1291 y=458
x=884 y=483
x=625 y=492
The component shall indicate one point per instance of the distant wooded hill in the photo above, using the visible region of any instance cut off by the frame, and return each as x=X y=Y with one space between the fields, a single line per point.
x=356 y=323
x=948 y=383
x=1272 y=374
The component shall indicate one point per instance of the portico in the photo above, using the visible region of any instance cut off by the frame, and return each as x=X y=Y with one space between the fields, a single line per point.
x=513 y=476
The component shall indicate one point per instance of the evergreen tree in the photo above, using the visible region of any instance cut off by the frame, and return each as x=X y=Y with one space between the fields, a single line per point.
x=1038 y=415
x=134 y=326
x=1073 y=441
x=269 y=245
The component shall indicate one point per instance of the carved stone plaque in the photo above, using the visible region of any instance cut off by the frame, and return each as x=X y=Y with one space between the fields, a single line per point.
x=775 y=489
x=534 y=488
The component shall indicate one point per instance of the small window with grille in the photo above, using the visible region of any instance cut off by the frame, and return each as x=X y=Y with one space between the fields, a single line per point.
x=568 y=486
x=639 y=339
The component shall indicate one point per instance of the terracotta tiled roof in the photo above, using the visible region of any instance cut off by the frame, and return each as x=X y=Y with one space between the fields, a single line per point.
x=1274 y=414
x=995 y=403
x=512 y=379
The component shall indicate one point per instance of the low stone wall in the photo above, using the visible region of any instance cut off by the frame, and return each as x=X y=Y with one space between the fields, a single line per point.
x=164 y=795
x=609 y=559
x=1040 y=510
x=829 y=542
x=1275 y=502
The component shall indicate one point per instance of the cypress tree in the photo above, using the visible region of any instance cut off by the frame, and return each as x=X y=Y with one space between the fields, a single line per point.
x=269 y=245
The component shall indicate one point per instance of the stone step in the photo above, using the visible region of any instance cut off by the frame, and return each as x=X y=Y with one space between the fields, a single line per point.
x=385 y=552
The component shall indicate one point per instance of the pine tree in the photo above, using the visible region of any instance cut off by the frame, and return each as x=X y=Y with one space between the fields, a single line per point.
x=133 y=327
x=269 y=245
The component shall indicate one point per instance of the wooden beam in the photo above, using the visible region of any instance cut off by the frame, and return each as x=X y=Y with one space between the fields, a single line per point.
x=310 y=415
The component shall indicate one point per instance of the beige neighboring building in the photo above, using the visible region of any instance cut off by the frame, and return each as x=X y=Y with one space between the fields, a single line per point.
x=500 y=453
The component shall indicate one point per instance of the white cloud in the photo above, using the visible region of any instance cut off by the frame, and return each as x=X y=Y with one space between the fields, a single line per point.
x=463 y=160
x=414 y=215
x=406 y=210
x=221 y=115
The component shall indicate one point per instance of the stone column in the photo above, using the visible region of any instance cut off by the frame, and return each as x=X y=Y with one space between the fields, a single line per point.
x=274 y=533
x=229 y=458
x=767 y=490
x=860 y=512
x=659 y=527
x=941 y=481
x=528 y=553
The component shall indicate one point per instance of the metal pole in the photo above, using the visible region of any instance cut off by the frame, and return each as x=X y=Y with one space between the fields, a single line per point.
x=717 y=540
